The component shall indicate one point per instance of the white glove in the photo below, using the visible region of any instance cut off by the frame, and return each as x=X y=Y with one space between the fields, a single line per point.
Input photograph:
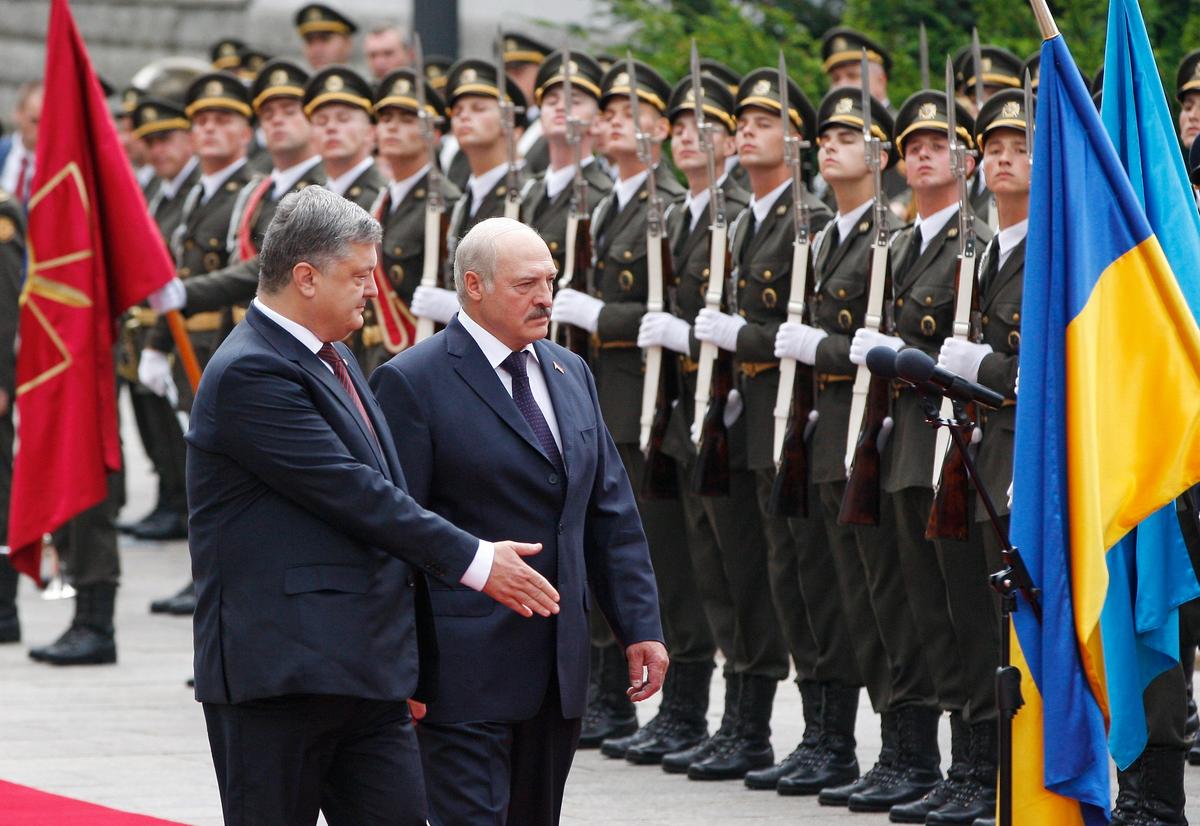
x=1017 y=383
x=434 y=303
x=798 y=341
x=963 y=357
x=664 y=330
x=170 y=296
x=1010 y=491
x=154 y=372
x=579 y=309
x=733 y=408
x=719 y=328
x=866 y=340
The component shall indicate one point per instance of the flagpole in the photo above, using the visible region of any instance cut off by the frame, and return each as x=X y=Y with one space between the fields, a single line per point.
x=1045 y=19
x=183 y=347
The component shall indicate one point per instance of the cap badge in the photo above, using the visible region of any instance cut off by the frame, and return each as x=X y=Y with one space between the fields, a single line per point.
x=621 y=80
x=927 y=111
x=227 y=49
x=1196 y=71
x=987 y=64
x=1012 y=109
x=313 y=15
x=469 y=76
x=839 y=44
x=433 y=71
x=149 y=113
x=690 y=97
x=213 y=88
x=574 y=67
x=131 y=97
x=510 y=45
x=279 y=77
x=762 y=87
x=401 y=86
x=843 y=106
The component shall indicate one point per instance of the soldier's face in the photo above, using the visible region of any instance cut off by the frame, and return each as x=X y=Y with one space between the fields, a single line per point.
x=168 y=151
x=841 y=154
x=1006 y=162
x=475 y=121
x=344 y=133
x=27 y=117
x=399 y=134
x=622 y=138
x=386 y=51
x=339 y=292
x=135 y=148
x=554 y=111
x=1189 y=119
x=323 y=49
x=516 y=307
x=927 y=160
x=759 y=138
x=284 y=125
x=219 y=136
x=850 y=74
x=686 y=151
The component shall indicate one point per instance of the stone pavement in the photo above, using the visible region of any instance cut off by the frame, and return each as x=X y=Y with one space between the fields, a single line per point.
x=131 y=736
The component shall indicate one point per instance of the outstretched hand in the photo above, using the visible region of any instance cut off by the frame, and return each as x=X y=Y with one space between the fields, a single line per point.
x=513 y=583
x=651 y=657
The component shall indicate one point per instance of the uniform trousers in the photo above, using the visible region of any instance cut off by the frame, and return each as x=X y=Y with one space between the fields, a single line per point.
x=716 y=592
x=162 y=439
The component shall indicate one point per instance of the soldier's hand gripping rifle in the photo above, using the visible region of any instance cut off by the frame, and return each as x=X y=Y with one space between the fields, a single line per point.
x=796 y=396
x=659 y=479
x=871 y=398
x=949 y=516
x=435 y=201
x=508 y=121
x=714 y=377
x=577 y=256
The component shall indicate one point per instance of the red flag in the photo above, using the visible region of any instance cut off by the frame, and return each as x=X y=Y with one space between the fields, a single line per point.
x=93 y=252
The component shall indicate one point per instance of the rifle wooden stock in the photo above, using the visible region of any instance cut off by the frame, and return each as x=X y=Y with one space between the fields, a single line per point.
x=718 y=262
x=577 y=259
x=794 y=403
x=435 y=240
x=949 y=517
x=710 y=476
x=659 y=478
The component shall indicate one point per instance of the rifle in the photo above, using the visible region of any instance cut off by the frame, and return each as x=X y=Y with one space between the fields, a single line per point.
x=948 y=518
x=508 y=121
x=796 y=396
x=871 y=401
x=714 y=378
x=436 y=222
x=659 y=479
x=923 y=54
x=577 y=255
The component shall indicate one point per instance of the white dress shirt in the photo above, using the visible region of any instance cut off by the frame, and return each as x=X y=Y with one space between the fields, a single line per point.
x=627 y=187
x=285 y=179
x=211 y=183
x=342 y=182
x=1009 y=237
x=480 y=568
x=698 y=203
x=479 y=187
x=931 y=226
x=559 y=179
x=11 y=174
x=762 y=206
x=844 y=223
x=170 y=189
x=398 y=190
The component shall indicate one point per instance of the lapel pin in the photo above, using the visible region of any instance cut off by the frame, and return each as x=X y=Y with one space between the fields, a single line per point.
x=559 y=368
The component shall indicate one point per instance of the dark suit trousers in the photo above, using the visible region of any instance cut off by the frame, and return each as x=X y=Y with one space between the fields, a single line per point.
x=499 y=773
x=281 y=759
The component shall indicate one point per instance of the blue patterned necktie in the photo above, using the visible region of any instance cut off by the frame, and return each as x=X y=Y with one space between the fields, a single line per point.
x=523 y=396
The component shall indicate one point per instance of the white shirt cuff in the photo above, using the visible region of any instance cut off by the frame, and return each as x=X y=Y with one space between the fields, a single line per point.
x=480 y=568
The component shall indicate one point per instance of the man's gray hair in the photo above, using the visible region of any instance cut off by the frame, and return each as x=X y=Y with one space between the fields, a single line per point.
x=315 y=226
x=478 y=250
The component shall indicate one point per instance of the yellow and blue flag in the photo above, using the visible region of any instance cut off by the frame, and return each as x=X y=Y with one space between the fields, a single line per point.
x=1108 y=431
x=1150 y=574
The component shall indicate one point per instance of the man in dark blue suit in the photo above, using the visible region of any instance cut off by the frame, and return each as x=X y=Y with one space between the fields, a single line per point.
x=500 y=431
x=309 y=556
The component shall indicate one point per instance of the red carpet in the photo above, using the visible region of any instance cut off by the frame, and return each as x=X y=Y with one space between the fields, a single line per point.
x=23 y=806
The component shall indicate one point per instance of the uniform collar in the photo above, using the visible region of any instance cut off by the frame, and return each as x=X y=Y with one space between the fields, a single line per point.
x=931 y=226
x=170 y=189
x=626 y=188
x=213 y=182
x=481 y=185
x=398 y=190
x=762 y=206
x=285 y=179
x=342 y=182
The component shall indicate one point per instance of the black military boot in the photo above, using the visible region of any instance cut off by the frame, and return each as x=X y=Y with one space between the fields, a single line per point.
x=687 y=726
x=1162 y=788
x=617 y=747
x=89 y=640
x=976 y=796
x=612 y=713
x=750 y=746
x=166 y=525
x=941 y=794
x=1129 y=796
x=812 y=694
x=881 y=772
x=10 y=624
x=677 y=762
x=133 y=526
x=833 y=762
x=181 y=603
x=918 y=763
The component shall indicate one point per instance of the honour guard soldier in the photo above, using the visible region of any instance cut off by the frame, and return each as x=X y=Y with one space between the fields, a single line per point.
x=225 y=54
x=523 y=59
x=622 y=283
x=762 y=260
x=728 y=586
x=163 y=128
x=1187 y=92
x=841 y=268
x=12 y=265
x=477 y=122
x=328 y=35
x=338 y=102
x=401 y=210
x=928 y=661
x=546 y=201
x=1001 y=69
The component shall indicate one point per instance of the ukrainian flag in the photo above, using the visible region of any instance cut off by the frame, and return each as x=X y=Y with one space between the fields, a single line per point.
x=1150 y=574
x=1108 y=431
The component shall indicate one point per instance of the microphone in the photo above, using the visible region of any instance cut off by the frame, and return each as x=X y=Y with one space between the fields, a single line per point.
x=881 y=361
x=914 y=366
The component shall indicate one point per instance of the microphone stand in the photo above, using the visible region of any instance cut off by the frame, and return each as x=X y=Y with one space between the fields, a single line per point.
x=1006 y=582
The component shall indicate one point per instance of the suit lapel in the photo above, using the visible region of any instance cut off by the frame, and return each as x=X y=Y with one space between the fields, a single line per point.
x=564 y=405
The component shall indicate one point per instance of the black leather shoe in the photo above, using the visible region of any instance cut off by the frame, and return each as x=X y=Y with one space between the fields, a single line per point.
x=80 y=645
x=770 y=777
x=133 y=526
x=984 y=821
x=732 y=759
x=840 y=795
x=10 y=630
x=181 y=603
x=676 y=736
x=677 y=762
x=918 y=810
x=829 y=768
x=618 y=747
x=162 y=528
x=917 y=768
x=603 y=723
x=968 y=802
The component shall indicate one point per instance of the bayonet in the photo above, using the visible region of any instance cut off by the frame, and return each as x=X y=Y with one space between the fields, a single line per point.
x=716 y=196
x=1028 y=117
x=923 y=52
x=508 y=120
x=435 y=199
x=578 y=211
x=977 y=59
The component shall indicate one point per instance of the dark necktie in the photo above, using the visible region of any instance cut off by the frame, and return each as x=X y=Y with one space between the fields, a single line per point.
x=991 y=268
x=833 y=238
x=523 y=396
x=330 y=356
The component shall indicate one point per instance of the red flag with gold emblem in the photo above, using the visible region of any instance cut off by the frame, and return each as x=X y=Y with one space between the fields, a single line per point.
x=93 y=252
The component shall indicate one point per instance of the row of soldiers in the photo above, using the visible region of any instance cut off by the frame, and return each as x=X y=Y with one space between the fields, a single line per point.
x=772 y=585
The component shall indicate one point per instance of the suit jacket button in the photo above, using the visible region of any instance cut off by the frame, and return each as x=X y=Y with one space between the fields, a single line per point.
x=560 y=527
x=552 y=478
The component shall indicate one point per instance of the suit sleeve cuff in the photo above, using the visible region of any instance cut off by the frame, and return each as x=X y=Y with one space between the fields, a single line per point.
x=480 y=569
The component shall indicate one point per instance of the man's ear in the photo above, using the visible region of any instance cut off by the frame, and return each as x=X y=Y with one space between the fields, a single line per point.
x=304 y=276
x=662 y=130
x=473 y=283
